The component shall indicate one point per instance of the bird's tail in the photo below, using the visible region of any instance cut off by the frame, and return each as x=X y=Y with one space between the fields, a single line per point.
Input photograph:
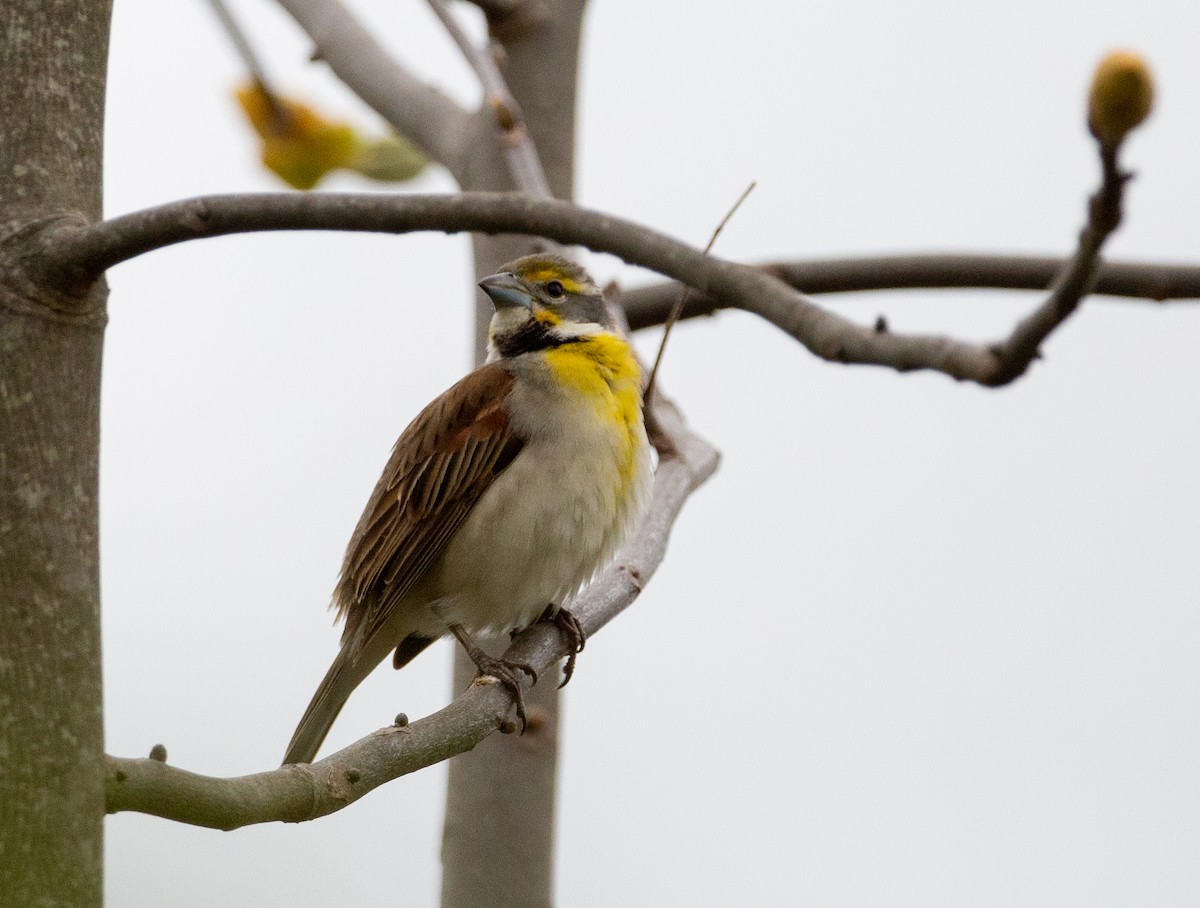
x=343 y=676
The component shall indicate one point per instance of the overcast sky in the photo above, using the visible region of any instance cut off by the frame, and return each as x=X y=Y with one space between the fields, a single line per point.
x=917 y=643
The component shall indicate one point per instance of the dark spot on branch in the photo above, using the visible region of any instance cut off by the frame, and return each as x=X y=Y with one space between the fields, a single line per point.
x=158 y=752
x=507 y=727
x=881 y=325
x=634 y=574
x=535 y=719
x=401 y=720
x=353 y=775
x=505 y=118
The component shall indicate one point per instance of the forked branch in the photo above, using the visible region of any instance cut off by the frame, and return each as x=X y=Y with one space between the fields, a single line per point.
x=1076 y=278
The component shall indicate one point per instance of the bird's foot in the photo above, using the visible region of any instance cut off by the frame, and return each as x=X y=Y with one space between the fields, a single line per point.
x=503 y=670
x=570 y=627
x=508 y=674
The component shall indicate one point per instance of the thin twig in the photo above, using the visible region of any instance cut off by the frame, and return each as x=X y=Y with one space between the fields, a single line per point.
x=519 y=151
x=1077 y=276
x=242 y=44
x=648 y=394
x=245 y=50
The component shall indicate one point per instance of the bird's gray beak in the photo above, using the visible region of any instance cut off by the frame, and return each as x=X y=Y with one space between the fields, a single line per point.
x=506 y=291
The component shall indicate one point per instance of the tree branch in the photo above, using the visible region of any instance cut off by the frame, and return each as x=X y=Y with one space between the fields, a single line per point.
x=520 y=153
x=79 y=255
x=651 y=304
x=298 y=793
x=1075 y=280
x=414 y=108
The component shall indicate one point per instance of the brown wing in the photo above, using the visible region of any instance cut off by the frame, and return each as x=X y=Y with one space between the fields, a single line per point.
x=440 y=466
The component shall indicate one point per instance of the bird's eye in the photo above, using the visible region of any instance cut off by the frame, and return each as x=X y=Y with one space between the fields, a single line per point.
x=555 y=289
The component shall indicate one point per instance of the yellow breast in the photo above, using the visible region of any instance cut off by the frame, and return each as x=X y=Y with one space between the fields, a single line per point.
x=559 y=511
x=603 y=369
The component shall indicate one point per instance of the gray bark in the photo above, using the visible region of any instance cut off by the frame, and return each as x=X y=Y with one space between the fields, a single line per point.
x=498 y=838
x=51 y=732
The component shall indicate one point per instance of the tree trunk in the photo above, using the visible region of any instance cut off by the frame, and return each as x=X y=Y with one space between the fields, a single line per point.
x=51 y=731
x=498 y=840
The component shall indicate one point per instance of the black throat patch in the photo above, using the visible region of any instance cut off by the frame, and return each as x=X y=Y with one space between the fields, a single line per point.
x=529 y=338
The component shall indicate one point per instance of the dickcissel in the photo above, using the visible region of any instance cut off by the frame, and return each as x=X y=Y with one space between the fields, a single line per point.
x=503 y=497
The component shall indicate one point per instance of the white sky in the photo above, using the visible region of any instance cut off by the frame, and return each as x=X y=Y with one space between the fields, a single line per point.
x=917 y=643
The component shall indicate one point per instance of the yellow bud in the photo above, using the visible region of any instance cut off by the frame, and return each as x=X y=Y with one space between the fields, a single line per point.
x=1121 y=96
x=299 y=144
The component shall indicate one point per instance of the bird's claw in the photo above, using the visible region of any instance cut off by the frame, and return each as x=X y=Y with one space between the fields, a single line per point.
x=507 y=673
x=570 y=627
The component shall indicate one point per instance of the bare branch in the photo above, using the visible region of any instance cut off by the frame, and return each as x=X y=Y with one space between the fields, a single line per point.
x=519 y=151
x=651 y=305
x=79 y=255
x=305 y=792
x=414 y=108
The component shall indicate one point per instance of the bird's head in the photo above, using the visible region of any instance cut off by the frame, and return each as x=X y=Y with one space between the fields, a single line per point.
x=542 y=301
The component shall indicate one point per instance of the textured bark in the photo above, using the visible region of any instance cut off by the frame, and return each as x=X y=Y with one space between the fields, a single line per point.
x=498 y=838
x=51 y=734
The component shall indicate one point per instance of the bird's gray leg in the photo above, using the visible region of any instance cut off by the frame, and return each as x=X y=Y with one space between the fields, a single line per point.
x=502 y=670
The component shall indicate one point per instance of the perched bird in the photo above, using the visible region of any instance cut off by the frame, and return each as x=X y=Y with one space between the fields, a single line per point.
x=503 y=497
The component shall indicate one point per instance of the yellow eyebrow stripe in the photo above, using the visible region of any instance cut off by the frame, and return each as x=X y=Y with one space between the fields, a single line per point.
x=553 y=274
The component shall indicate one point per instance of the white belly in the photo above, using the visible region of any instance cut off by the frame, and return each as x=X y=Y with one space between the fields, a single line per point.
x=545 y=526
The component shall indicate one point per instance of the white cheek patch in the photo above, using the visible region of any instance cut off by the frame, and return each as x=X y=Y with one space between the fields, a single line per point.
x=508 y=320
x=504 y=322
x=578 y=329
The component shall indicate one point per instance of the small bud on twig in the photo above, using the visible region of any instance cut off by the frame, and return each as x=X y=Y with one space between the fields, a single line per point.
x=158 y=752
x=1121 y=96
